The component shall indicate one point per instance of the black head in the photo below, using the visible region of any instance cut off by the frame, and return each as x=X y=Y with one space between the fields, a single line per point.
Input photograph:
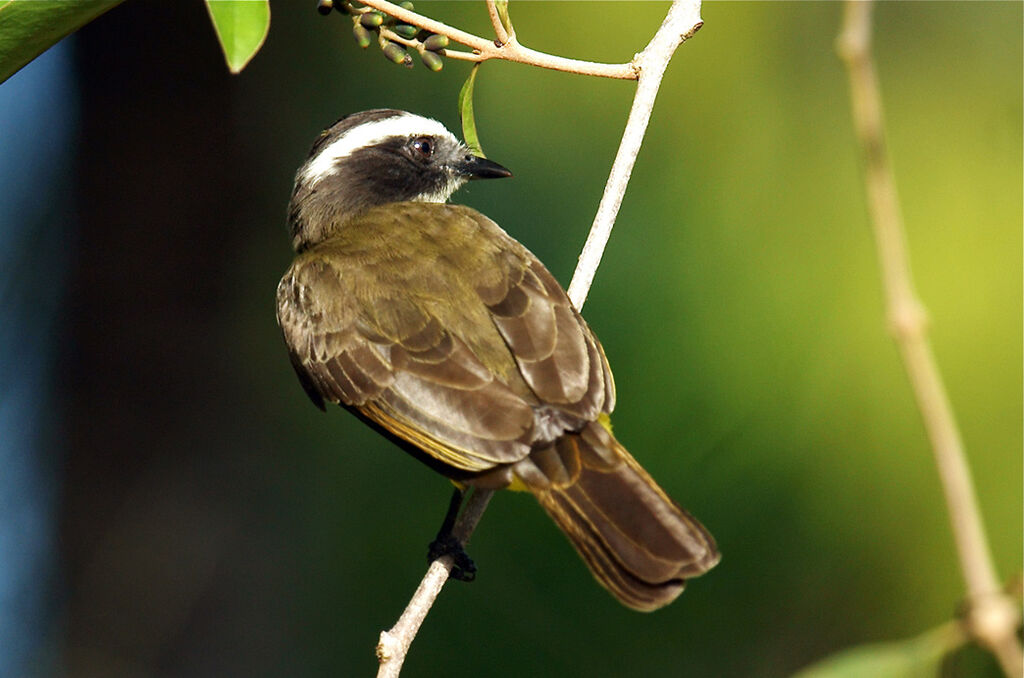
x=374 y=158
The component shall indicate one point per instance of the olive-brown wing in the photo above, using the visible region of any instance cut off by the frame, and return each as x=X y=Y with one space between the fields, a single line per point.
x=394 y=361
x=554 y=349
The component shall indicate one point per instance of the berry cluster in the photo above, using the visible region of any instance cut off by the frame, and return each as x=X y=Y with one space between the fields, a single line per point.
x=394 y=38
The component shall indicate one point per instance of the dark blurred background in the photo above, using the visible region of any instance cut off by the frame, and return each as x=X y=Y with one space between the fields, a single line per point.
x=172 y=505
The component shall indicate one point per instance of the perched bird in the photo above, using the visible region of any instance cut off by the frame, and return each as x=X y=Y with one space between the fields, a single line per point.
x=430 y=323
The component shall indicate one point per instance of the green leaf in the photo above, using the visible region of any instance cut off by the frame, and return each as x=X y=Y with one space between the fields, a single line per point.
x=241 y=26
x=919 y=657
x=466 y=112
x=27 y=29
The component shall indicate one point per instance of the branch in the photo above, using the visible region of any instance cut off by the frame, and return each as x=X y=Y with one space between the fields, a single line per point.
x=992 y=617
x=501 y=35
x=682 y=21
x=508 y=49
x=393 y=645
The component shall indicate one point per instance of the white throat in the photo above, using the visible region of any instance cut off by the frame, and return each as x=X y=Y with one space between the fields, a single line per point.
x=445 y=192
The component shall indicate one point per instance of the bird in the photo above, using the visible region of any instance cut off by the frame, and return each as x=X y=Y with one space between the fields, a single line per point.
x=435 y=327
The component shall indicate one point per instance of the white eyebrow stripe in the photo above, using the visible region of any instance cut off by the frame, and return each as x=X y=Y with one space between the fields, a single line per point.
x=368 y=134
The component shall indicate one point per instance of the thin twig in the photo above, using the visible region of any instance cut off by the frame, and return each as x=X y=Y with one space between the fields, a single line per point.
x=463 y=56
x=389 y=34
x=509 y=50
x=500 y=33
x=682 y=21
x=394 y=643
x=992 y=617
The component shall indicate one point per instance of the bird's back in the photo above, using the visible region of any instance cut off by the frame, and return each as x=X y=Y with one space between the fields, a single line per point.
x=429 y=311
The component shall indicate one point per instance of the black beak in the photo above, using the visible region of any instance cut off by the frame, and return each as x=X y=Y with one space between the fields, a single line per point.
x=475 y=167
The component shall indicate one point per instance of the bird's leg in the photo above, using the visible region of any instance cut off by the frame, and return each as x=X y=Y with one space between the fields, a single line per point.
x=446 y=543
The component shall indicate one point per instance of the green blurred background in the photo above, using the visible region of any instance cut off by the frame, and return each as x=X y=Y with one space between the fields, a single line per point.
x=213 y=522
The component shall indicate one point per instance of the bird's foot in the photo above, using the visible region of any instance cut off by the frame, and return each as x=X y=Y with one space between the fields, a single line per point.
x=445 y=544
x=463 y=567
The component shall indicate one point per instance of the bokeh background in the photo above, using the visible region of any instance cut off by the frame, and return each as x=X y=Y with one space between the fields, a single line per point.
x=172 y=505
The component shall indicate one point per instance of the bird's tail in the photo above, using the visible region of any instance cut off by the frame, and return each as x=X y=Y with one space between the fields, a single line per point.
x=638 y=543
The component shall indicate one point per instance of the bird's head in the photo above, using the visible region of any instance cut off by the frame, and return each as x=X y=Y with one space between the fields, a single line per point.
x=375 y=158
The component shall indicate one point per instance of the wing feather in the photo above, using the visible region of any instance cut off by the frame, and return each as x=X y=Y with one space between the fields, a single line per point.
x=475 y=384
x=555 y=351
x=394 y=361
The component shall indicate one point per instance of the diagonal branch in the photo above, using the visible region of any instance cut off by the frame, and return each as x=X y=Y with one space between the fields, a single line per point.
x=393 y=645
x=682 y=21
x=992 y=617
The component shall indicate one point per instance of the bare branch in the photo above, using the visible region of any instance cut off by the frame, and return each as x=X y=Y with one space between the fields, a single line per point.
x=389 y=34
x=992 y=616
x=509 y=50
x=394 y=643
x=410 y=17
x=499 y=28
x=463 y=56
x=682 y=21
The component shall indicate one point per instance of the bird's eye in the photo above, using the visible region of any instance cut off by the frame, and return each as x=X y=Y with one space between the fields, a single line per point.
x=423 y=146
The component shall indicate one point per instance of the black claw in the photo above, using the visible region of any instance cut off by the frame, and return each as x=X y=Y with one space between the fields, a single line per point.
x=445 y=544
x=463 y=569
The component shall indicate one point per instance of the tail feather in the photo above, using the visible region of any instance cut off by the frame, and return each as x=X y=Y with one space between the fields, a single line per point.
x=638 y=543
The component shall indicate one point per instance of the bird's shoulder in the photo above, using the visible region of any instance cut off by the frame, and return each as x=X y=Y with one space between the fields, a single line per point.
x=398 y=263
